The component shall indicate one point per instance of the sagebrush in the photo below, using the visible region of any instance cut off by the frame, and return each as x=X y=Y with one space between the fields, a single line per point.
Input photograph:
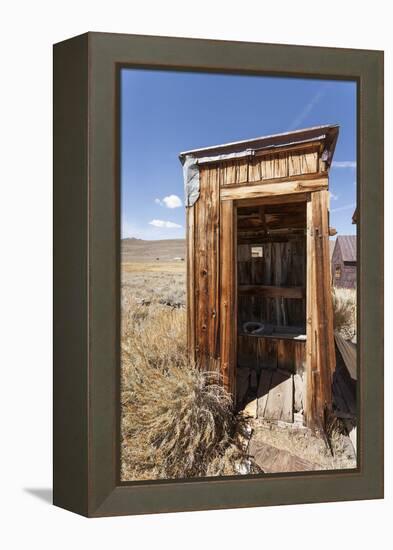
x=344 y=311
x=177 y=422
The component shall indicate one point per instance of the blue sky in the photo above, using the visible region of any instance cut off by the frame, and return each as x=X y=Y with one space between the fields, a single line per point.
x=164 y=113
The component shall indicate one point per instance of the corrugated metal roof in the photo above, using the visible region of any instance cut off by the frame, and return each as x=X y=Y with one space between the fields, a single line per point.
x=347 y=245
x=328 y=133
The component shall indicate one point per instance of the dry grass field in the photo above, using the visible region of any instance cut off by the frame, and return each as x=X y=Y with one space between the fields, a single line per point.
x=176 y=421
x=344 y=311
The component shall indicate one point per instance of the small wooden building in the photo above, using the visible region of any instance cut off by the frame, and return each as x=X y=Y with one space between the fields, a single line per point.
x=258 y=267
x=344 y=262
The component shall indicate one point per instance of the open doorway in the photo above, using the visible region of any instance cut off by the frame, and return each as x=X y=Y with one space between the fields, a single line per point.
x=271 y=308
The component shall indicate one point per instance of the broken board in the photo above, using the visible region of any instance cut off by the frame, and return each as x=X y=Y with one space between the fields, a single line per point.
x=275 y=396
x=274 y=460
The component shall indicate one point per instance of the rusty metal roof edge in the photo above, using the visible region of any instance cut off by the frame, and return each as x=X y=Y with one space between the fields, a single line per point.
x=263 y=141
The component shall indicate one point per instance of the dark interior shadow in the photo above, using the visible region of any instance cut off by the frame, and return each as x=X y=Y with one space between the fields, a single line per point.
x=44 y=494
x=344 y=392
x=270 y=379
x=266 y=380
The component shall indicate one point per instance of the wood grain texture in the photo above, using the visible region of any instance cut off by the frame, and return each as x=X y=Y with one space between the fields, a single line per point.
x=263 y=391
x=310 y=357
x=320 y=339
x=274 y=199
x=258 y=190
x=260 y=352
x=190 y=243
x=271 y=164
x=228 y=299
x=348 y=353
x=266 y=294
x=279 y=404
x=206 y=271
x=295 y=292
x=281 y=286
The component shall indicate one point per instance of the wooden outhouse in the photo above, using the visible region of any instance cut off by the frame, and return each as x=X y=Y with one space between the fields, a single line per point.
x=258 y=268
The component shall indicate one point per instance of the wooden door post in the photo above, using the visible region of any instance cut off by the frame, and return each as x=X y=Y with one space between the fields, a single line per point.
x=320 y=359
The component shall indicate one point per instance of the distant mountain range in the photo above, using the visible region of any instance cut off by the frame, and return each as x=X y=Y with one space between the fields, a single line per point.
x=139 y=250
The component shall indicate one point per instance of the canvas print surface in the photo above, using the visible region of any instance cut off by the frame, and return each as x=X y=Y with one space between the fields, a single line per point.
x=238 y=275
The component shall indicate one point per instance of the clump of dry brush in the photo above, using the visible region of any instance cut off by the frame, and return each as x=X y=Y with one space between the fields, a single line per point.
x=177 y=422
x=344 y=312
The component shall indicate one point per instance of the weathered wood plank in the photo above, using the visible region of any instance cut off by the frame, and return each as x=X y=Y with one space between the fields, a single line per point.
x=300 y=357
x=201 y=280
x=213 y=261
x=242 y=175
x=263 y=391
x=288 y=400
x=254 y=170
x=310 y=357
x=228 y=309
x=348 y=353
x=274 y=199
x=282 y=179
x=294 y=292
x=247 y=351
x=279 y=404
x=320 y=341
x=327 y=286
x=286 y=355
x=267 y=354
x=298 y=392
x=258 y=190
x=294 y=162
x=205 y=299
x=273 y=460
x=324 y=294
x=190 y=281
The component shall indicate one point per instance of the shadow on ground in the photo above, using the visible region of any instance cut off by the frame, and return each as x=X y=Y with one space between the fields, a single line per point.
x=43 y=494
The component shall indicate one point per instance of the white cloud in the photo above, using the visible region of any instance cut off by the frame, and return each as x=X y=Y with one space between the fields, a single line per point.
x=345 y=207
x=148 y=232
x=344 y=164
x=333 y=196
x=171 y=201
x=166 y=224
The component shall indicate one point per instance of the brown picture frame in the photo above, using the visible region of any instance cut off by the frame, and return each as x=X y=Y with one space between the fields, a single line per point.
x=86 y=274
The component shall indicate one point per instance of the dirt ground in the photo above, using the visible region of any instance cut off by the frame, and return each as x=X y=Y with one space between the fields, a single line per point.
x=300 y=449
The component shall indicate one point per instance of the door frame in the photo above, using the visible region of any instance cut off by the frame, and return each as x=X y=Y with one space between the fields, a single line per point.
x=228 y=263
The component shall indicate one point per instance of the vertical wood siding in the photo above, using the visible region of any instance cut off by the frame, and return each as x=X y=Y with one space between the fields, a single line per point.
x=320 y=339
x=228 y=298
x=206 y=271
x=282 y=264
x=270 y=166
x=270 y=353
x=190 y=243
x=212 y=278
